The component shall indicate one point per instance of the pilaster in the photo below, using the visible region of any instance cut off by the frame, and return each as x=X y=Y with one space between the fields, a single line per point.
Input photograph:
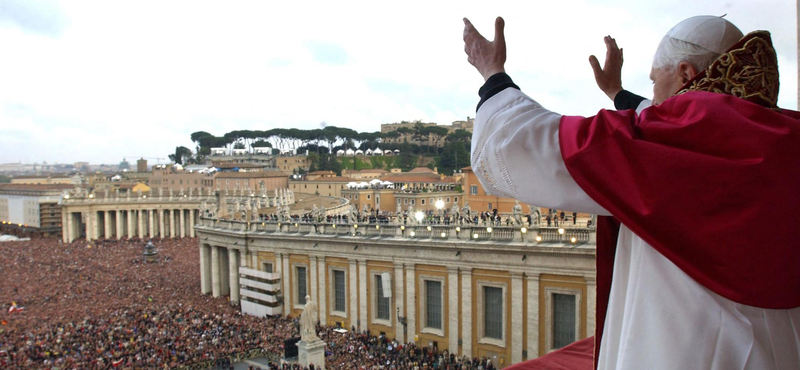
x=516 y=317
x=533 y=315
x=323 y=290
x=353 y=291
x=452 y=308
x=362 y=294
x=411 y=302
x=398 y=302
x=466 y=312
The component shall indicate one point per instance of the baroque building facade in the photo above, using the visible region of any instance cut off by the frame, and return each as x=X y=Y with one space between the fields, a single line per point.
x=506 y=293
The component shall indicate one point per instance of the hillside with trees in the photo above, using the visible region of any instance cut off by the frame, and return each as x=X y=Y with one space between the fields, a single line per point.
x=321 y=143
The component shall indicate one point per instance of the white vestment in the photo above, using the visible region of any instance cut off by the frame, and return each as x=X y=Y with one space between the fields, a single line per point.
x=658 y=317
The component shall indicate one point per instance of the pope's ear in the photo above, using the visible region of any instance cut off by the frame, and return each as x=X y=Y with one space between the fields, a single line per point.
x=686 y=71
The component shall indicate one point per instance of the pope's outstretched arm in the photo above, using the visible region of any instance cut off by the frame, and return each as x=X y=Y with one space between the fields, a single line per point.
x=515 y=145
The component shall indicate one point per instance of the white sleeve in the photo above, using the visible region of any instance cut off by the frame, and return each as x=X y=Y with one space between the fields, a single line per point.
x=644 y=104
x=516 y=154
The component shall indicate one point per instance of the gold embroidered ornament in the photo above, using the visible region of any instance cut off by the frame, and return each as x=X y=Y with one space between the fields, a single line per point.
x=748 y=70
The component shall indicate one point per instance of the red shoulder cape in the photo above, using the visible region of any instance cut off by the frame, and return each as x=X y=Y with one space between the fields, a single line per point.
x=709 y=180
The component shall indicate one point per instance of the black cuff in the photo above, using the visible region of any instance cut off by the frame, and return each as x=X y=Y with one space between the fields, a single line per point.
x=627 y=100
x=495 y=84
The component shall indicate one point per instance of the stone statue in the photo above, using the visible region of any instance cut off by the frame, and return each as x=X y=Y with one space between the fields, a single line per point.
x=410 y=212
x=465 y=210
x=128 y=194
x=353 y=214
x=105 y=194
x=139 y=194
x=398 y=210
x=180 y=193
x=160 y=192
x=190 y=193
x=593 y=222
x=516 y=213
x=308 y=322
x=203 y=209
x=170 y=193
x=315 y=213
x=536 y=216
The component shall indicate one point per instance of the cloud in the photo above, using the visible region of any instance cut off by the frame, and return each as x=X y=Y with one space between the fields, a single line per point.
x=43 y=17
x=327 y=53
x=113 y=79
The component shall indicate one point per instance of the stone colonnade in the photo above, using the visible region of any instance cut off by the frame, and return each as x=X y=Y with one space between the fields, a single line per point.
x=141 y=221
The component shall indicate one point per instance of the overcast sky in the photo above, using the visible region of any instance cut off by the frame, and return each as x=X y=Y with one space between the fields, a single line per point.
x=101 y=80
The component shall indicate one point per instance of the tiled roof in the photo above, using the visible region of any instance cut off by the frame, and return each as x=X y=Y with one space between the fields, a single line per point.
x=251 y=175
x=36 y=186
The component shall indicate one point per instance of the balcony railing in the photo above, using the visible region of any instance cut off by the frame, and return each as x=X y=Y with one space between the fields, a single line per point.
x=475 y=233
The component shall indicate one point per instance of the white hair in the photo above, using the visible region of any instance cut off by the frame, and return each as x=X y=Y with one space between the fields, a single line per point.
x=672 y=52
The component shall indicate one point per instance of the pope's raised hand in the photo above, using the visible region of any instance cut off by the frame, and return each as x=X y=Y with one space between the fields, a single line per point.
x=609 y=77
x=488 y=57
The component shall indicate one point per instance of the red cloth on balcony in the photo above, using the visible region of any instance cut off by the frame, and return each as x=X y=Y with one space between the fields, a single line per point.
x=576 y=356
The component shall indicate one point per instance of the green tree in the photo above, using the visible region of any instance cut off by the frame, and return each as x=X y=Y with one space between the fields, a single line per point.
x=455 y=155
x=182 y=154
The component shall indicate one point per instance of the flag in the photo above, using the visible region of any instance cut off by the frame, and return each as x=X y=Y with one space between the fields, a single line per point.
x=15 y=308
x=116 y=363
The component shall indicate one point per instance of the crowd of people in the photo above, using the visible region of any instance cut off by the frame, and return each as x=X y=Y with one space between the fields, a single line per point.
x=99 y=305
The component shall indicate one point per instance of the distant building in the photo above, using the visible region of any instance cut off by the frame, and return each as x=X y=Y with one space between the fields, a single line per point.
x=124 y=165
x=141 y=165
x=365 y=174
x=270 y=179
x=329 y=186
x=167 y=177
x=431 y=140
x=48 y=179
x=31 y=208
x=292 y=164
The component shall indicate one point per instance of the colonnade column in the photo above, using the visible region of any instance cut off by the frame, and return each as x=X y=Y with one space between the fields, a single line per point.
x=452 y=308
x=131 y=226
x=152 y=220
x=89 y=230
x=323 y=293
x=182 y=222
x=171 y=223
x=533 y=316
x=353 y=290
x=191 y=223
x=398 y=303
x=411 y=304
x=362 y=294
x=64 y=226
x=205 y=268
x=118 y=220
x=107 y=224
x=141 y=223
x=215 y=280
x=516 y=317
x=466 y=312
x=233 y=273
x=70 y=227
x=161 y=231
